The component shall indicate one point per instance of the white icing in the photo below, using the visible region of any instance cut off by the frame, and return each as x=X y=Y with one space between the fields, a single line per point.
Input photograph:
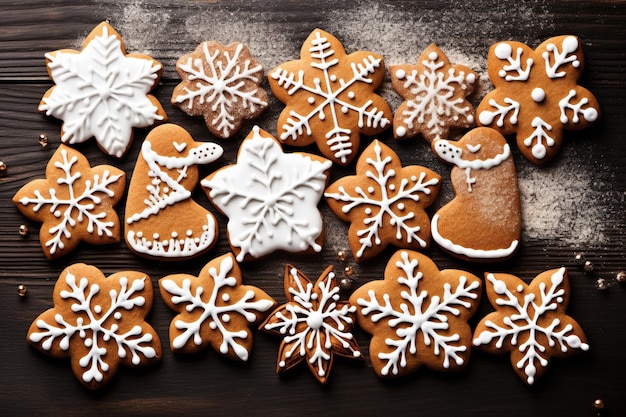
x=524 y=325
x=101 y=92
x=486 y=117
x=337 y=137
x=328 y=322
x=431 y=100
x=92 y=326
x=473 y=148
x=212 y=314
x=569 y=46
x=223 y=84
x=504 y=52
x=388 y=197
x=77 y=207
x=590 y=114
x=452 y=247
x=538 y=94
x=540 y=134
x=270 y=198
x=419 y=311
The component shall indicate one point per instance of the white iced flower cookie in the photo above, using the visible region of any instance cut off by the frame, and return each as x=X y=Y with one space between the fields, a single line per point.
x=102 y=92
x=220 y=83
x=530 y=322
x=162 y=220
x=270 y=198
x=417 y=315
x=98 y=322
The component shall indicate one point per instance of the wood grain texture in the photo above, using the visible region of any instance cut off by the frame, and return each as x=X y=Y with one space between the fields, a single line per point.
x=586 y=185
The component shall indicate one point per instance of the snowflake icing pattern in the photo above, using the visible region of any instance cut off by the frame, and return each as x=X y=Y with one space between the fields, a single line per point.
x=270 y=197
x=530 y=322
x=214 y=308
x=551 y=102
x=435 y=94
x=329 y=97
x=392 y=199
x=421 y=305
x=314 y=324
x=222 y=84
x=99 y=329
x=101 y=92
x=81 y=201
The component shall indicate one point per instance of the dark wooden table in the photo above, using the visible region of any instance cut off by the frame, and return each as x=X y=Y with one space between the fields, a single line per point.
x=577 y=202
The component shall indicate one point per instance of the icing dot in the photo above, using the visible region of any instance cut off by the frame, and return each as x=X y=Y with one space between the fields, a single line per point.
x=499 y=287
x=281 y=364
x=225 y=318
x=139 y=235
x=212 y=325
x=155 y=236
x=356 y=354
x=351 y=94
x=315 y=320
x=370 y=190
x=313 y=296
x=520 y=288
x=502 y=73
x=413 y=178
x=321 y=372
x=559 y=300
x=400 y=74
x=189 y=232
x=174 y=235
x=400 y=131
x=368 y=211
x=333 y=78
x=97 y=309
x=57 y=213
x=225 y=297
x=470 y=119
x=196 y=240
x=503 y=51
x=539 y=151
x=166 y=190
x=117 y=315
x=311 y=100
x=576 y=64
x=88 y=342
x=401 y=206
x=538 y=95
x=344 y=109
x=570 y=44
x=471 y=78
x=392 y=187
x=433 y=56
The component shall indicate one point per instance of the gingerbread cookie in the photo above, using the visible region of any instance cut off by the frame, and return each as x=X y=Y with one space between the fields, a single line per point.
x=314 y=324
x=417 y=315
x=270 y=198
x=159 y=197
x=330 y=97
x=537 y=95
x=220 y=83
x=434 y=92
x=530 y=322
x=214 y=309
x=483 y=222
x=98 y=322
x=74 y=203
x=384 y=202
x=102 y=92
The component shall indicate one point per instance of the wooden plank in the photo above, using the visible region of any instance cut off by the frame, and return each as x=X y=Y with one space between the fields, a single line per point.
x=575 y=203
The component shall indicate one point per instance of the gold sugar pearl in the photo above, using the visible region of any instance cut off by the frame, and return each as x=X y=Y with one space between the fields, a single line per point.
x=345 y=284
x=348 y=271
x=601 y=284
x=3 y=167
x=23 y=229
x=43 y=140
x=341 y=255
x=22 y=290
x=598 y=404
x=588 y=266
x=621 y=276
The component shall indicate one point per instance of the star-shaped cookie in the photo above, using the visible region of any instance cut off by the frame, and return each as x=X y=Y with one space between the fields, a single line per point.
x=384 y=202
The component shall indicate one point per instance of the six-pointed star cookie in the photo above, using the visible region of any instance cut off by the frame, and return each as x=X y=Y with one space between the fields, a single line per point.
x=220 y=83
x=434 y=93
x=214 y=309
x=314 y=324
x=102 y=92
x=270 y=198
x=75 y=202
x=417 y=315
x=330 y=97
x=530 y=322
x=98 y=322
x=384 y=202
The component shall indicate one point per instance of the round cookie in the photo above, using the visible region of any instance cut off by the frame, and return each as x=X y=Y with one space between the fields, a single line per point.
x=98 y=322
x=102 y=91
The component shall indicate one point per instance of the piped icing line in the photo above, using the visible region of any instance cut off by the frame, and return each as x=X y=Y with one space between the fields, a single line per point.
x=450 y=246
